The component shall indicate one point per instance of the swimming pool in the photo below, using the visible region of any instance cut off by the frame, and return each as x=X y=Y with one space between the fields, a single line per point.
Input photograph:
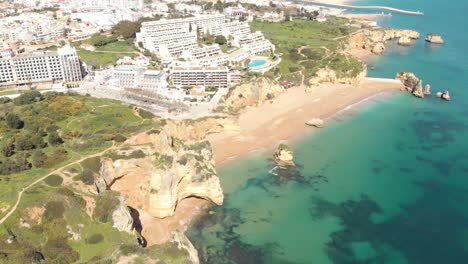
x=256 y=63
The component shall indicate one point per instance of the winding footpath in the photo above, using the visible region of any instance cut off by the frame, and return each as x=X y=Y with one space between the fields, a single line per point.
x=387 y=8
x=20 y=193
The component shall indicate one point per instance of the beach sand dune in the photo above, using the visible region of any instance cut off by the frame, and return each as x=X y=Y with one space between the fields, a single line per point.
x=263 y=127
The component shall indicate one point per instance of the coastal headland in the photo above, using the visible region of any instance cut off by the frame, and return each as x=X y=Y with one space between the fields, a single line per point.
x=285 y=117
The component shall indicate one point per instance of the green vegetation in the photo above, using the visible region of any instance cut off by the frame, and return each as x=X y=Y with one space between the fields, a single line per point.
x=54 y=180
x=307 y=46
x=57 y=129
x=136 y=154
x=106 y=204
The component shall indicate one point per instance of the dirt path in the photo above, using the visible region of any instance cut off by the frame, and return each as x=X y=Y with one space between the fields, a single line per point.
x=20 y=193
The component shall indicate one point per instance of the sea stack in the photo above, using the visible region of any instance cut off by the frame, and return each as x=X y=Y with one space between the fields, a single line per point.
x=444 y=95
x=427 y=89
x=436 y=39
x=412 y=83
x=284 y=156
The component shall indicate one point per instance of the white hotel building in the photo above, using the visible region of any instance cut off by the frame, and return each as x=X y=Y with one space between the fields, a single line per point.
x=41 y=67
x=172 y=36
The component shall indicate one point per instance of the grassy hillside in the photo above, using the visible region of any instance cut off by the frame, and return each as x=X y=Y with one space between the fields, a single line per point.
x=307 y=46
x=58 y=220
x=39 y=133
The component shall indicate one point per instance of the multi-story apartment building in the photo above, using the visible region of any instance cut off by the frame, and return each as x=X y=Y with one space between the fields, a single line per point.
x=172 y=36
x=234 y=11
x=137 y=77
x=255 y=43
x=204 y=76
x=168 y=38
x=39 y=67
x=235 y=29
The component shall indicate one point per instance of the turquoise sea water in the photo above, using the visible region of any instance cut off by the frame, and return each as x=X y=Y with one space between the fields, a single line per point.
x=385 y=182
x=256 y=63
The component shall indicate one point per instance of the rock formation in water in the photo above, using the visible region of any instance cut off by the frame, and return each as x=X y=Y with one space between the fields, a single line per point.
x=373 y=39
x=284 y=156
x=427 y=89
x=404 y=41
x=444 y=95
x=436 y=39
x=121 y=217
x=253 y=93
x=316 y=122
x=171 y=171
x=412 y=83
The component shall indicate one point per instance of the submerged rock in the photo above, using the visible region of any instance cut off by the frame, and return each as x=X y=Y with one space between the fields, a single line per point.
x=436 y=39
x=316 y=122
x=284 y=156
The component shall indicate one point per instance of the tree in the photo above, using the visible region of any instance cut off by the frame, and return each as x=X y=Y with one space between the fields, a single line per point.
x=54 y=139
x=221 y=40
x=28 y=97
x=8 y=148
x=13 y=121
x=126 y=29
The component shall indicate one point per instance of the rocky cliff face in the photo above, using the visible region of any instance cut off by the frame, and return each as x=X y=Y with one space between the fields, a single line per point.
x=121 y=218
x=252 y=93
x=374 y=40
x=171 y=171
x=329 y=75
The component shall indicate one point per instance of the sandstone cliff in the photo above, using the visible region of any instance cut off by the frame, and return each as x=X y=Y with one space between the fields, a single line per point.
x=252 y=93
x=330 y=76
x=412 y=83
x=121 y=217
x=171 y=171
x=373 y=40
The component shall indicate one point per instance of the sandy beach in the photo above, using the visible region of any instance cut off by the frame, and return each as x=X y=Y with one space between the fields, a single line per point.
x=263 y=127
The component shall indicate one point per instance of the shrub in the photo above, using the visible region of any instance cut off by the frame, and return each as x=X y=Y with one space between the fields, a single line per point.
x=28 y=97
x=119 y=138
x=87 y=177
x=60 y=155
x=54 y=180
x=105 y=206
x=53 y=210
x=93 y=164
x=94 y=239
x=39 y=159
x=54 y=139
x=145 y=114
x=13 y=121
x=8 y=148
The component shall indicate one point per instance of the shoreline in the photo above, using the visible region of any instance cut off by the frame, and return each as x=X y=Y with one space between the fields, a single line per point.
x=265 y=126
